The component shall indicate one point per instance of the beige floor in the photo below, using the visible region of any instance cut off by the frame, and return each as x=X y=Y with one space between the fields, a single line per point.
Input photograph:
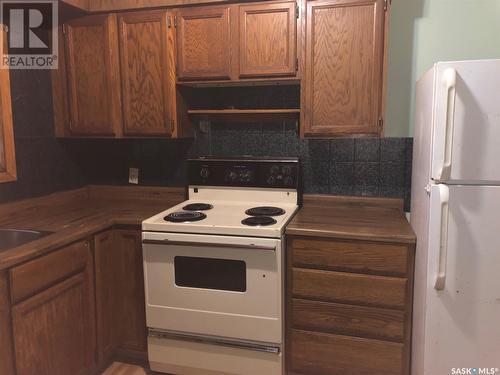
x=119 y=368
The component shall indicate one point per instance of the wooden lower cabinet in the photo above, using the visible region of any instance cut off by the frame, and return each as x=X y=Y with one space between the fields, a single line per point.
x=7 y=366
x=75 y=309
x=329 y=354
x=121 y=318
x=349 y=306
x=105 y=281
x=53 y=330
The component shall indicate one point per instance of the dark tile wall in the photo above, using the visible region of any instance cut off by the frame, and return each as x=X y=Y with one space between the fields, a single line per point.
x=344 y=166
x=161 y=162
x=43 y=165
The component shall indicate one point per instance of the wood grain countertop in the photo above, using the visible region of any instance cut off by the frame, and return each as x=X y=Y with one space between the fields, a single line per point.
x=375 y=219
x=76 y=214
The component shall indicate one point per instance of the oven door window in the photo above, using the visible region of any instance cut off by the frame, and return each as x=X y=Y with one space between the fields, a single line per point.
x=210 y=273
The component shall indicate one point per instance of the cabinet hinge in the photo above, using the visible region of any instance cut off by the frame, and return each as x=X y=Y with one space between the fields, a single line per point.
x=64 y=28
x=169 y=22
x=175 y=21
x=297 y=64
x=386 y=4
x=380 y=123
x=297 y=10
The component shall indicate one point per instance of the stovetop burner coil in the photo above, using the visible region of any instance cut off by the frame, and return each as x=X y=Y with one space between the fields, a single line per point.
x=265 y=211
x=185 y=216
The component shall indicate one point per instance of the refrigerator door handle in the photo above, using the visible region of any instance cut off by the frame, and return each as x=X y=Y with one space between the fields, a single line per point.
x=444 y=195
x=449 y=81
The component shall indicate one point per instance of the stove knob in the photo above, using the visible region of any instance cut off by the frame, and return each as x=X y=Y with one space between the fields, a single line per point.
x=232 y=176
x=245 y=176
x=287 y=171
x=204 y=173
x=271 y=180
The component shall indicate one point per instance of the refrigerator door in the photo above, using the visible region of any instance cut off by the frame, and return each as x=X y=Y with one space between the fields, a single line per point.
x=466 y=122
x=462 y=306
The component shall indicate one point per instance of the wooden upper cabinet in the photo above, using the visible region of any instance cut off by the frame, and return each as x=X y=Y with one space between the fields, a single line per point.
x=203 y=43
x=144 y=72
x=7 y=149
x=343 y=83
x=267 y=39
x=93 y=75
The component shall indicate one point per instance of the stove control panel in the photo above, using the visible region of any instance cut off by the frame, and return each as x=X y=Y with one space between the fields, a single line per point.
x=251 y=172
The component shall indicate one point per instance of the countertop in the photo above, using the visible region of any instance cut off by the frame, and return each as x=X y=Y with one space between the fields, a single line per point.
x=375 y=219
x=76 y=214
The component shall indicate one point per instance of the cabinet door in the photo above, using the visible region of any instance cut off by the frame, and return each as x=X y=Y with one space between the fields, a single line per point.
x=132 y=331
x=93 y=75
x=144 y=72
x=6 y=347
x=268 y=39
x=8 y=170
x=53 y=330
x=344 y=62
x=105 y=293
x=203 y=43
x=121 y=320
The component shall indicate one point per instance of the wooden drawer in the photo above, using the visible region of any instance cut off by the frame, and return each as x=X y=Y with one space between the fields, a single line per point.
x=350 y=256
x=348 y=320
x=39 y=274
x=350 y=288
x=321 y=353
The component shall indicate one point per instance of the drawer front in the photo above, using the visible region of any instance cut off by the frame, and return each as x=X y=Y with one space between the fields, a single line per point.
x=325 y=354
x=349 y=288
x=350 y=256
x=348 y=320
x=38 y=274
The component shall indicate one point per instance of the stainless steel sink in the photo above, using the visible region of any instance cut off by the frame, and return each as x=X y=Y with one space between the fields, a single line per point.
x=10 y=238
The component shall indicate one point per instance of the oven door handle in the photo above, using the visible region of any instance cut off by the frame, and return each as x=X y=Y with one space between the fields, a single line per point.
x=209 y=244
x=259 y=347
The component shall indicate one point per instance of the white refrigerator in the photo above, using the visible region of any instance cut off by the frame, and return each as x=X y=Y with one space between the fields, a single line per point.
x=455 y=212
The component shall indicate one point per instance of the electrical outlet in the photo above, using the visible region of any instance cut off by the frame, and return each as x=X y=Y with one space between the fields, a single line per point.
x=133 y=175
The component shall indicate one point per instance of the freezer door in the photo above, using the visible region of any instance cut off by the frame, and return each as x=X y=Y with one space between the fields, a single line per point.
x=466 y=123
x=462 y=307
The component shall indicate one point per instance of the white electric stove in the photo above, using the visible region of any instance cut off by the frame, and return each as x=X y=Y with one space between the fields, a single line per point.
x=225 y=211
x=213 y=268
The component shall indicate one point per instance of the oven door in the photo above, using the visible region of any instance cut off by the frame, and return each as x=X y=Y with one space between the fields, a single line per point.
x=221 y=286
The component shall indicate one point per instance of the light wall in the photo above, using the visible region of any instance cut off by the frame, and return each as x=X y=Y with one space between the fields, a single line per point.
x=426 y=31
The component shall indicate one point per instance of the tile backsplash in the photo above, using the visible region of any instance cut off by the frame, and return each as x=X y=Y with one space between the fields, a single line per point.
x=43 y=166
x=344 y=166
